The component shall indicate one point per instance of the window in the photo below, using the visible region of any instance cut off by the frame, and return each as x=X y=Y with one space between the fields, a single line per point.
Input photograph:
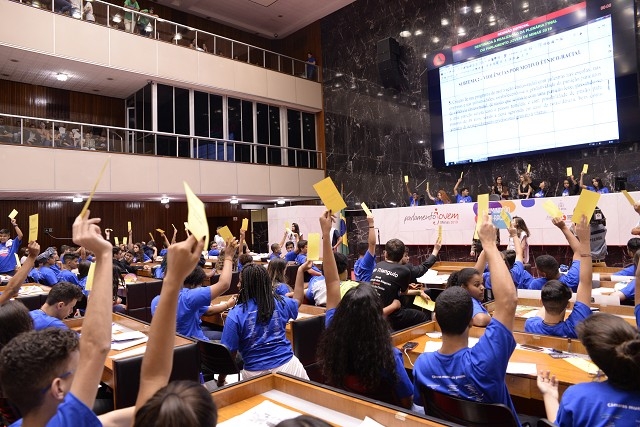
x=268 y=133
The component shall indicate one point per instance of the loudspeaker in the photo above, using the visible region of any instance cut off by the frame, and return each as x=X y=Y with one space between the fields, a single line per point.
x=620 y=183
x=388 y=46
x=391 y=74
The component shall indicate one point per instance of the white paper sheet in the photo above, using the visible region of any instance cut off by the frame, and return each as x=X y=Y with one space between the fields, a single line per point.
x=522 y=368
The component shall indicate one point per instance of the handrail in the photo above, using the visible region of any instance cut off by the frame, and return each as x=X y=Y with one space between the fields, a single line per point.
x=67 y=134
x=150 y=25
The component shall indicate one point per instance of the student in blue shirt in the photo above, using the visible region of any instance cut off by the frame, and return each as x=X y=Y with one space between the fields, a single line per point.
x=614 y=346
x=463 y=196
x=276 y=270
x=70 y=262
x=8 y=249
x=597 y=186
x=543 y=190
x=476 y=373
x=291 y=254
x=301 y=258
x=633 y=246
x=471 y=280
x=214 y=251
x=59 y=305
x=555 y=297
x=366 y=262
x=514 y=260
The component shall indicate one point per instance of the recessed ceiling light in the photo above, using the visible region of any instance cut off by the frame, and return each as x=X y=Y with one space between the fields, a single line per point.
x=444 y=22
x=421 y=141
x=380 y=94
x=424 y=56
x=465 y=9
x=435 y=39
x=417 y=33
x=77 y=199
x=525 y=4
x=339 y=74
x=477 y=8
x=281 y=201
x=492 y=18
x=233 y=201
x=405 y=33
x=461 y=31
x=62 y=77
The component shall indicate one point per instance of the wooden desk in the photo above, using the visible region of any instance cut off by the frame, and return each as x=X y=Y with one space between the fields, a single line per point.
x=238 y=398
x=447 y=267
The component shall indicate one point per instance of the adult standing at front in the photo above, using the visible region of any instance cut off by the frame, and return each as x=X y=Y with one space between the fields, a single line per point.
x=524 y=188
x=8 y=249
x=311 y=66
x=463 y=196
x=128 y=16
x=597 y=186
x=499 y=189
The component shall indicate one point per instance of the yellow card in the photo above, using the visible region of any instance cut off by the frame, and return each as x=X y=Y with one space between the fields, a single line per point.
x=198 y=224
x=439 y=232
x=366 y=210
x=115 y=239
x=528 y=168
x=506 y=218
x=329 y=195
x=245 y=224
x=585 y=168
x=552 y=209
x=17 y=260
x=124 y=240
x=287 y=226
x=461 y=173
x=151 y=235
x=129 y=226
x=475 y=235
x=406 y=179
x=13 y=214
x=225 y=233
x=483 y=208
x=569 y=171
x=33 y=227
x=160 y=230
x=629 y=198
x=173 y=226
x=90 y=274
x=313 y=248
x=95 y=186
x=586 y=205
x=429 y=305
x=186 y=225
x=427 y=186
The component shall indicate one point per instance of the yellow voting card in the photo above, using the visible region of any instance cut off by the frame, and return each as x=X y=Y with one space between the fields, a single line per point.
x=245 y=224
x=151 y=236
x=329 y=195
x=629 y=198
x=116 y=240
x=406 y=179
x=13 y=214
x=18 y=264
x=225 y=233
x=429 y=305
x=587 y=203
x=585 y=168
x=125 y=240
x=33 y=227
x=506 y=218
x=569 y=171
x=95 y=186
x=197 y=218
x=439 y=232
x=528 y=168
x=427 y=186
x=483 y=209
x=586 y=365
x=160 y=230
x=313 y=248
x=461 y=173
x=366 y=209
x=287 y=226
x=129 y=226
x=90 y=275
x=552 y=209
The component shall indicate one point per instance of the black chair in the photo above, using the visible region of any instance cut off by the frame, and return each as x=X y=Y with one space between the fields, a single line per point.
x=306 y=333
x=543 y=422
x=216 y=358
x=32 y=302
x=290 y=274
x=136 y=300
x=233 y=287
x=466 y=412
x=152 y=290
x=126 y=373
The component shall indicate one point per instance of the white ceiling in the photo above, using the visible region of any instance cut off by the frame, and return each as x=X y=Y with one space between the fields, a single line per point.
x=263 y=17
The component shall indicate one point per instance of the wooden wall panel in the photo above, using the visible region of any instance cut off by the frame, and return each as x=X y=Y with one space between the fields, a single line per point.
x=39 y=101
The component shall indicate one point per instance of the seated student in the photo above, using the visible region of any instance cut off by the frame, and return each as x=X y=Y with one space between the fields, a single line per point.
x=471 y=280
x=570 y=187
x=366 y=262
x=59 y=305
x=514 y=260
x=118 y=282
x=548 y=267
x=83 y=273
x=476 y=373
x=160 y=403
x=276 y=251
x=50 y=377
x=462 y=196
x=243 y=260
x=316 y=293
x=441 y=197
x=291 y=254
x=194 y=300
x=633 y=246
x=543 y=190
x=69 y=263
x=614 y=346
x=276 y=269
x=256 y=326
x=139 y=255
x=301 y=258
x=369 y=365
x=597 y=186
x=555 y=298
x=214 y=251
x=628 y=292
x=8 y=249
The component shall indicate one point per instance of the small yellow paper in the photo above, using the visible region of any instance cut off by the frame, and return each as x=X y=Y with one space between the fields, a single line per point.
x=160 y=230
x=13 y=214
x=461 y=173
x=569 y=171
x=225 y=233
x=287 y=226
x=116 y=240
x=427 y=186
x=483 y=208
x=439 y=232
x=92 y=271
x=174 y=227
x=366 y=209
x=585 y=365
x=129 y=226
x=587 y=203
x=151 y=235
x=33 y=227
x=245 y=224
x=629 y=198
x=125 y=240
x=18 y=264
x=528 y=168
x=406 y=179
x=429 y=305
x=329 y=195
x=585 y=168
x=313 y=247
x=197 y=219
x=506 y=218
x=552 y=209
x=475 y=235
x=95 y=186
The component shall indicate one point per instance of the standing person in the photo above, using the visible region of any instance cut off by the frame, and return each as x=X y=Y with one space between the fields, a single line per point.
x=524 y=188
x=8 y=249
x=366 y=262
x=570 y=187
x=129 y=25
x=90 y=17
x=543 y=190
x=414 y=197
x=596 y=186
x=499 y=189
x=311 y=66
x=442 y=198
x=523 y=235
x=463 y=196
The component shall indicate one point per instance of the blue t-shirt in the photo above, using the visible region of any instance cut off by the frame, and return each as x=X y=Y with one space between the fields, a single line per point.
x=521 y=277
x=439 y=202
x=274 y=255
x=158 y=273
x=629 y=291
x=571 y=279
x=475 y=374
x=540 y=193
x=290 y=256
x=637 y=313
x=262 y=346
x=363 y=267
x=603 y=190
x=163 y=252
x=629 y=270
x=7 y=255
x=48 y=275
x=214 y=252
x=282 y=289
x=69 y=276
x=463 y=199
x=599 y=404
x=565 y=329
x=192 y=303
x=71 y=412
x=145 y=259
x=35 y=275
x=478 y=308
x=42 y=320
x=302 y=258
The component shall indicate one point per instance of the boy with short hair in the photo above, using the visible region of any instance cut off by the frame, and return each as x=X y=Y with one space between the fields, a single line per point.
x=8 y=249
x=59 y=305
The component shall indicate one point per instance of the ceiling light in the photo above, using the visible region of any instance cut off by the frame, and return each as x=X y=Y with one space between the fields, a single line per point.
x=492 y=18
x=435 y=40
x=424 y=56
x=444 y=22
x=233 y=201
x=421 y=141
x=338 y=74
x=405 y=33
x=77 y=199
x=461 y=31
x=117 y=18
x=525 y=4
x=392 y=204
x=280 y=202
x=465 y=9
x=417 y=33
x=164 y=200
x=477 y=8
x=380 y=93
x=62 y=77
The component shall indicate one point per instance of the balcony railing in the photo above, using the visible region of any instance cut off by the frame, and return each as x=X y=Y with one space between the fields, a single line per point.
x=146 y=25
x=32 y=131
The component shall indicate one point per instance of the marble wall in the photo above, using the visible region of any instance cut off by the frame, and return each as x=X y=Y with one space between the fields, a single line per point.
x=374 y=135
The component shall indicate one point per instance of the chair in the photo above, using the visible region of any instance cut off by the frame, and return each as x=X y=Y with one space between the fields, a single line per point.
x=216 y=359
x=32 y=302
x=306 y=333
x=136 y=299
x=466 y=412
x=233 y=286
x=543 y=422
x=290 y=273
x=152 y=290
x=494 y=197
x=126 y=373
